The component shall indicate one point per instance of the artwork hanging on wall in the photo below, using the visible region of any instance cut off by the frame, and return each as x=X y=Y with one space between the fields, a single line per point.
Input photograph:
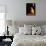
x=30 y=9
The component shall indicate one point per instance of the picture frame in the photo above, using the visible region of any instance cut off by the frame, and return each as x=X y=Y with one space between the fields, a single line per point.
x=30 y=9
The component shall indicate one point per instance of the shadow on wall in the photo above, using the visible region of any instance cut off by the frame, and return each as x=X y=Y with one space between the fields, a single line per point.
x=21 y=23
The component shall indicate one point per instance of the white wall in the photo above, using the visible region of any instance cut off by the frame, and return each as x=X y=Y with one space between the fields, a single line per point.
x=17 y=10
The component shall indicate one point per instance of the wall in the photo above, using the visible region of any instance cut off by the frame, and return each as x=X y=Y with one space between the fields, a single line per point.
x=16 y=10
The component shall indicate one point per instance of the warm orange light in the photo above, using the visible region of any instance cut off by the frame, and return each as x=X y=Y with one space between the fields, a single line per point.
x=32 y=10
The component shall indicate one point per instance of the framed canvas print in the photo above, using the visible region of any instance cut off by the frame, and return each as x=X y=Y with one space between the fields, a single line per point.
x=30 y=9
